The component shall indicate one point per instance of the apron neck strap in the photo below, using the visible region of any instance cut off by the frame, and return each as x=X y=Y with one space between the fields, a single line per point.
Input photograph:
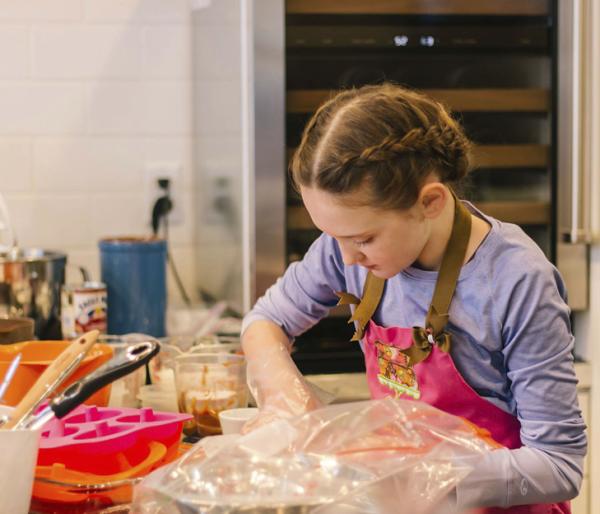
x=365 y=308
x=452 y=261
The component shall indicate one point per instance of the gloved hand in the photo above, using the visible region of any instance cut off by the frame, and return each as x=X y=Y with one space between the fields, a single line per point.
x=277 y=385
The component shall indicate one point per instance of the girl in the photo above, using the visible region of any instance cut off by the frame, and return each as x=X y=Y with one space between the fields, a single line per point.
x=451 y=307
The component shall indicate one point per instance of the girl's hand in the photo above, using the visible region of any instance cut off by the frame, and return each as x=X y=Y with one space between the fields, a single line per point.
x=274 y=381
x=273 y=412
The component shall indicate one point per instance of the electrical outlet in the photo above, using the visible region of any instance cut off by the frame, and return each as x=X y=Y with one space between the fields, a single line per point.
x=152 y=191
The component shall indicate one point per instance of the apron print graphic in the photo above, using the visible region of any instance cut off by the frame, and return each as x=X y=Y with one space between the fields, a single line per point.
x=395 y=371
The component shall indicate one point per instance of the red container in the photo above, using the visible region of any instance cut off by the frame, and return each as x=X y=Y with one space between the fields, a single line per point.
x=106 y=441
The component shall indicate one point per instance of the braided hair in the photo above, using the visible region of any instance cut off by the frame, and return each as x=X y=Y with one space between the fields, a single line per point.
x=385 y=136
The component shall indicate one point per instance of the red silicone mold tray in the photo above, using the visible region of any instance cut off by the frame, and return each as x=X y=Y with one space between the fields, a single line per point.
x=106 y=440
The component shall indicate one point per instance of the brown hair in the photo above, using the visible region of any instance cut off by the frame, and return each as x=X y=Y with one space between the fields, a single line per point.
x=387 y=136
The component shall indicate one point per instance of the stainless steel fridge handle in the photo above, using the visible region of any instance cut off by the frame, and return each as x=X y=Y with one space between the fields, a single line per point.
x=573 y=233
x=579 y=229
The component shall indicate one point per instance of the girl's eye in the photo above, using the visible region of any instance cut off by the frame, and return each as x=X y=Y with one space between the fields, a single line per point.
x=363 y=242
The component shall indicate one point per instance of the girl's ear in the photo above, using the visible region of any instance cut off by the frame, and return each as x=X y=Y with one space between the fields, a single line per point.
x=432 y=199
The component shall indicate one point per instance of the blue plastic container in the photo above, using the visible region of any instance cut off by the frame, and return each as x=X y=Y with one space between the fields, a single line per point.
x=134 y=271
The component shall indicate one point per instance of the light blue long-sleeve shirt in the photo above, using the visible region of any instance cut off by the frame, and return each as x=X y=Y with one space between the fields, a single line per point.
x=512 y=344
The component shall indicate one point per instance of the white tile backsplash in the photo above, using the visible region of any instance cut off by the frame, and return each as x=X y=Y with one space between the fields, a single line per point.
x=92 y=93
x=44 y=11
x=222 y=65
x=167 y=108
x=54 y=221
x=15 y=165
x=115 y=107
x=15 y=52
x=118 y=214
x=218 y=100
x=88 y=164
x=175 y=150
x=139 y=108
x=220 y=156
x=207 y=13
x=87 y=52
x=40 y=108
x=137 y=11
x=167 y=52
x=101 y=11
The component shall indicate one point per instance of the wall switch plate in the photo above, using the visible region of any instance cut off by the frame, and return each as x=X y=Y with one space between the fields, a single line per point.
x=152 y=192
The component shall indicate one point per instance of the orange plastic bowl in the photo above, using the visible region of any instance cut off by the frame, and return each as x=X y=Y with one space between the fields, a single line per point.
x=60 y=484
x=37 y=356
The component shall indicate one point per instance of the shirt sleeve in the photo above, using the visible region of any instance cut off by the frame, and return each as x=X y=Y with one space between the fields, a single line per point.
x=306 y=291
x=533 y=318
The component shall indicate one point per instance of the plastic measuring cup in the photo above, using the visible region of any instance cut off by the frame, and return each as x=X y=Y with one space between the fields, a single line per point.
x=206 y=384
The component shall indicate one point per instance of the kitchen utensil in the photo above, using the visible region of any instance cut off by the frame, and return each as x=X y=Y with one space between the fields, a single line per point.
x=124 y=392
x=10 y=373
x=30 y=282
x=52 y=377
x=14 y=330
x=105 y=441
x=233 y=420
x=38 y=355
x=206 y=384
x=162 y=368
x=19 y=450
x=136 y=356
x=134 y=271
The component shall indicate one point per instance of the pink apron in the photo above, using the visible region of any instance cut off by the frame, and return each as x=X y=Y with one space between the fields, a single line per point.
x=415 y=363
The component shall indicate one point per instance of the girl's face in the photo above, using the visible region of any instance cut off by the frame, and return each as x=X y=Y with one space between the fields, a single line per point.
x=383 y=241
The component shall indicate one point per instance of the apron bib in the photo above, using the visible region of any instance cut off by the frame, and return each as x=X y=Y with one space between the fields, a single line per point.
x=415 y=363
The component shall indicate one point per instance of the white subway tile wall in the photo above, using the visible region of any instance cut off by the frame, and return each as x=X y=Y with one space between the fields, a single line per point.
x=40 y=11
x=16 y=174
x=15 y=52
x=93 y=93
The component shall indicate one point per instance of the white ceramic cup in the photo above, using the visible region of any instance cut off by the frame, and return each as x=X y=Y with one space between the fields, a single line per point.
x=232 y=420
x=19 y=455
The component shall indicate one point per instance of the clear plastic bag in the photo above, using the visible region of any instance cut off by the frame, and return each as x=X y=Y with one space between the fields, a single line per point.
x=381 y=456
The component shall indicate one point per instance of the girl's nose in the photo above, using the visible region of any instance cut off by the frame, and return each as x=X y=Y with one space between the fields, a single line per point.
x=350 y=256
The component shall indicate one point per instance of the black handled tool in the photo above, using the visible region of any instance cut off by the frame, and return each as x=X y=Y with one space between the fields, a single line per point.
x=134 y=357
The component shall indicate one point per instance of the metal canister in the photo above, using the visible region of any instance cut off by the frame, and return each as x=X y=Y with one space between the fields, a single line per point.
x=30 y=283
x=83 y=308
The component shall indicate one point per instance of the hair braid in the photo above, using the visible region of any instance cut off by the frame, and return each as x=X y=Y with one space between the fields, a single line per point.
x=387 y=135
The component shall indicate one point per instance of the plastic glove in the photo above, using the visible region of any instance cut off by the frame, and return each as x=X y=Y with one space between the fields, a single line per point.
x=277 y=385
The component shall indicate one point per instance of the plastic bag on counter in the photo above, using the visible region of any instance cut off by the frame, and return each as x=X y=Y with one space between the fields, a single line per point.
x=384 y=456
